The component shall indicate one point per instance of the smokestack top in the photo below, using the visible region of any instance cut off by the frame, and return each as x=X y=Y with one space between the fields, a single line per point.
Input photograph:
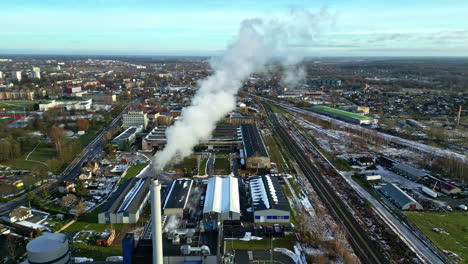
x=155 y=182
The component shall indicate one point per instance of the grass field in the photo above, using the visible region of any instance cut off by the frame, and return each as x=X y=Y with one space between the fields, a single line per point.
x=334 y=111
x=277 y=110
x=202 y=168
x=455 y=223
x=282 y=242
x=43 y=153
x=187 y=163
x=6 y=119
x=91 y=134
x=275 y=153
x=18 y=105
x=133 y=171
x=223 y=165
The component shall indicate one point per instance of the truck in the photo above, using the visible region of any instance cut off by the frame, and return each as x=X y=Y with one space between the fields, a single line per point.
x=429 y=192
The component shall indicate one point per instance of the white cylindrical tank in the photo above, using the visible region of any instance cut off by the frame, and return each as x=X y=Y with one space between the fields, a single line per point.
x=49 y=248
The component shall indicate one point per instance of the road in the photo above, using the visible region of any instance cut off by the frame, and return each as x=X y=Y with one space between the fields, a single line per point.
x=210 y=169
x=92 y=151
x=367 y=250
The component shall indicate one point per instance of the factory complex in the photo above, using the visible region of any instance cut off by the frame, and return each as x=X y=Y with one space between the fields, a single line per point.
x=197 y=215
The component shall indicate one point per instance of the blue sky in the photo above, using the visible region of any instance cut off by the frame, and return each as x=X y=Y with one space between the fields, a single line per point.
x=202 y=27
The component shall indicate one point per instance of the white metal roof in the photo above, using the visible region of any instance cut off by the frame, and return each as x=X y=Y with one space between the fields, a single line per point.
x=222 y=195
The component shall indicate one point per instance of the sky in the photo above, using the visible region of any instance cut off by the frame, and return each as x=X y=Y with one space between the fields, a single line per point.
x=205 y=27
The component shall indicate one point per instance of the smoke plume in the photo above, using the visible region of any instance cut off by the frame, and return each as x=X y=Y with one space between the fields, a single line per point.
x=257 y=43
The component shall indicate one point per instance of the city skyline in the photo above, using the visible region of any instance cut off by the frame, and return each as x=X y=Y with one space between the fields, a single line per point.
x=363 y=28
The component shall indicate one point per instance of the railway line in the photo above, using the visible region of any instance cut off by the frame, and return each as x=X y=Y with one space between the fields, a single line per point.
x=366 y=249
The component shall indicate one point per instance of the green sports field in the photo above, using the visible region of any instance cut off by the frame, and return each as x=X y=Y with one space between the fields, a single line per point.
x=343 y=113
x=17 y=105
x=5 y=119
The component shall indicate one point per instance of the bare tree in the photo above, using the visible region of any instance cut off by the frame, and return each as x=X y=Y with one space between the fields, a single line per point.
x=58 y=136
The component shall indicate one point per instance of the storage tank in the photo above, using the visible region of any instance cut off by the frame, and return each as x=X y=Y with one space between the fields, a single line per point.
x=49 y=248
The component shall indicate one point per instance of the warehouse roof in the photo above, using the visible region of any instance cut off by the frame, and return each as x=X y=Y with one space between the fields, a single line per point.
x=222 y=195
x=128 y=196
x=397 y=195
x=266 y=193
x=253 y=142
x=339 y=112
x=127 y=133
x=413 y=171
x=178 y=194
x=222 y=132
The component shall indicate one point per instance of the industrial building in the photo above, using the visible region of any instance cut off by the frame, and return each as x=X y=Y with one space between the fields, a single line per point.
x=269 y=204
x=325 y=82
x=254 y=154
x=127 y=203
x=224 y=137
x=408 y=171
x=441 y=186
x=176 y=245
x=344 y=115
x=135 y=118
x=126 y=139
x=399 y=198
x=237 y=119
x=221 y=201
x=177 y=197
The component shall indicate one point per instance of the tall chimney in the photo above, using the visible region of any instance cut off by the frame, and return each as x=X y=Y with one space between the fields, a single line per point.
x=156 y=222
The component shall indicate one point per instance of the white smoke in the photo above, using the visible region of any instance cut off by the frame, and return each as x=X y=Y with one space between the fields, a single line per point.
x=257 y=43
x=292 y=76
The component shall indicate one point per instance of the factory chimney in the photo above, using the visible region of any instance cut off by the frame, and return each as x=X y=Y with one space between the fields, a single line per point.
x=459 y=115
x=156 y=222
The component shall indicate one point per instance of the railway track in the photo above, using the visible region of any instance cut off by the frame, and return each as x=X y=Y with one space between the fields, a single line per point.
x=365 y=248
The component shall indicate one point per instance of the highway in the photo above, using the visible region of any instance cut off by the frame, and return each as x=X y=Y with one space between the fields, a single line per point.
x=365 y=248
x=92 y=151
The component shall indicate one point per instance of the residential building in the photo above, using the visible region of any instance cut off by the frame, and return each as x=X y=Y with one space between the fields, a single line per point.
x=16 y=75
x=126 y=139
x=135 y=118
x=36 y=73
x=101 y=97
x=18 y=214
